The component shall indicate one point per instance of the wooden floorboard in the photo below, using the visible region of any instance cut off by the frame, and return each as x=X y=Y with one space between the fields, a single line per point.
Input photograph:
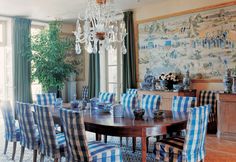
x=219 y=150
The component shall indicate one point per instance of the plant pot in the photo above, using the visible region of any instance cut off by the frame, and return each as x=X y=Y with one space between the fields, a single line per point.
x=170 y=85
x=72 y=77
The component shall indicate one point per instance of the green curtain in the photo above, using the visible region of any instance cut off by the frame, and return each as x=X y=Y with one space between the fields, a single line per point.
x=21 y=63
x=129 y=59
x=94 y=75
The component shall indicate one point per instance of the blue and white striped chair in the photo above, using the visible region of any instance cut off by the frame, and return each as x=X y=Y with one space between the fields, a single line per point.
x=78 y=147
x=182 y=103
x=150 y=103
x=85 y=92
x=106 y=97
x=12 y=131
x=190 y=148
x=46 y=99
x=51 y=144
x=129 y=103
x=209 y=97
x=29 y=131
x=132 y=91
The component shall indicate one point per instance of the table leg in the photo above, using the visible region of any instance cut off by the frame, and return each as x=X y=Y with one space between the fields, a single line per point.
x=98 y=137
x=144 y=149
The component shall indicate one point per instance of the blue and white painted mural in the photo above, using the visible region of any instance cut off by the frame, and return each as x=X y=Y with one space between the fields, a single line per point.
x=200 y=42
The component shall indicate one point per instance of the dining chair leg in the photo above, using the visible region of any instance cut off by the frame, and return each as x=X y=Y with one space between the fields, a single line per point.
x=22 y=153
x=41 y=158
x=105 y=138
x=147 y=143
x=120 y=141
x=14 y=150
x=55 y=159
x=35 y=156
x=5 y=148
x=98 y=137
x=134 y=144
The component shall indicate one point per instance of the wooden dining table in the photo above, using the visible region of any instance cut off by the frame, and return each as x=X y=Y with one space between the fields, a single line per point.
x=104 y=123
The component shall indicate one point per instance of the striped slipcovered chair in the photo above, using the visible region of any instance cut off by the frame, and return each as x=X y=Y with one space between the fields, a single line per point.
x=29 y=131
x=209 y=97
x=12 y=131
x=51 y=144
x=150 y=103
x=85 y=92
x=182 y=104
x=78 y=148
x=132 y=91
x=106 y=97
x=129 y=103
x=190 y=148
x=46 y=99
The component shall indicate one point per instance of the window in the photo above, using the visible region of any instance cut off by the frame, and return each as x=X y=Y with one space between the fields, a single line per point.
x=3 y=33
x=114 y=72
x=6 y=75
x=35 y=86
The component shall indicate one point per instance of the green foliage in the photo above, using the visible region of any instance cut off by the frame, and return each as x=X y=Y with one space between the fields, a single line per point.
x=48 y=58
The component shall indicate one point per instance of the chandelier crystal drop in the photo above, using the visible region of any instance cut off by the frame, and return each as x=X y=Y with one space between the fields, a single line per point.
x=101 y=25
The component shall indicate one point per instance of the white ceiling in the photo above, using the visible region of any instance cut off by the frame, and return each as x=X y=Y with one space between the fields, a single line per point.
x=46 y=10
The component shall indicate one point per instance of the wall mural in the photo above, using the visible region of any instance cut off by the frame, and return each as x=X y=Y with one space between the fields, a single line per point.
x=203 y=43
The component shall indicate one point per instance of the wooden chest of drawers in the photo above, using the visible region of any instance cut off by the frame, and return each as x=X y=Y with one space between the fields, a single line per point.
x=166 y=96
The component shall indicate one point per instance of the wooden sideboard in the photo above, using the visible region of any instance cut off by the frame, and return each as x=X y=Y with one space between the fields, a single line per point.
x=226 y=114
x=166 y=96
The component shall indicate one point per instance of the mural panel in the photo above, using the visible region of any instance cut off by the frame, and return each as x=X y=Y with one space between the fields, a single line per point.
x=203 y=43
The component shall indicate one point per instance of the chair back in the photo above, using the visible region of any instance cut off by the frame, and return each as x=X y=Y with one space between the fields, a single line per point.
x=194 y=146
x=48 y=143
x=46 y=98
x=150 y=103
x=209 y=98
x=75 y=135
x=9 y=121
x=129 y=103
x=85 y=92
x=29 y=132
x=182 y=103
x=106 y=97
x=132 y=91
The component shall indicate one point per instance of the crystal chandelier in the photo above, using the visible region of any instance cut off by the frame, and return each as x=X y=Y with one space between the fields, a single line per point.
x=101 y=25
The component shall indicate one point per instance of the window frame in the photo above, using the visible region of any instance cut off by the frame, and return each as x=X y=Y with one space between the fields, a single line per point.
x=4 y=33
x=119 y=65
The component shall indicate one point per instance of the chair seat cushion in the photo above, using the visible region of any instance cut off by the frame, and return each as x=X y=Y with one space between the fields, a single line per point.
x=104 y=152
x=169 y=149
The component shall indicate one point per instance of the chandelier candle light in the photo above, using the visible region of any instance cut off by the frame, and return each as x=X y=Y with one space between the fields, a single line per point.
x=101 y=25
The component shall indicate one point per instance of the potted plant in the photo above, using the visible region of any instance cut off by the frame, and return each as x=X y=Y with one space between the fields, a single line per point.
x=167 y=80
x=48 y=59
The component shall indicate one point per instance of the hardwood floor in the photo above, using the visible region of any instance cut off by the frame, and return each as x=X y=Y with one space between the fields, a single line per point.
x=219 y=150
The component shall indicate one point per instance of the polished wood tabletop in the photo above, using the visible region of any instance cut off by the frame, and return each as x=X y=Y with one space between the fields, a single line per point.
x=105 y=123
